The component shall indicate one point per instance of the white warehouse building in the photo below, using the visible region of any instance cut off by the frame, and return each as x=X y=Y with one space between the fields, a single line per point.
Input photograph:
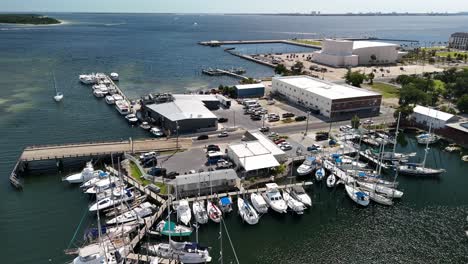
x=428 y=116
x=345 y=53
x=330 y=99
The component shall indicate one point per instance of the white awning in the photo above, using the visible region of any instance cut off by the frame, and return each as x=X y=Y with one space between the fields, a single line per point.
x=259 y=162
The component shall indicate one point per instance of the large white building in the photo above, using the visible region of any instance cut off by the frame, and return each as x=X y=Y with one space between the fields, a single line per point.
x=332 y=100
x=345 y=53
x=427 y=116
x=459 y=40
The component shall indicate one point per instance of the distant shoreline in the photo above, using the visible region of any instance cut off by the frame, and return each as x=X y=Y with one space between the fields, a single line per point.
x=28 y=19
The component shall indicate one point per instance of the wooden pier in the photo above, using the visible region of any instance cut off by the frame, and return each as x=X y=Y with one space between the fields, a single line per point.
x=218 y=72
x=373 y=160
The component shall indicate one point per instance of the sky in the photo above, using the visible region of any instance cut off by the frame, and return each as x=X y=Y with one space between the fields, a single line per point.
x=237 y=6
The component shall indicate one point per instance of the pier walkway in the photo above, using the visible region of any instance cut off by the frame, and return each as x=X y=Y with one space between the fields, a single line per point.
x=49 y=152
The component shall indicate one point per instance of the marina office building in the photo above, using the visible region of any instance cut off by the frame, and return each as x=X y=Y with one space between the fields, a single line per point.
x=203 y=182
x=331 y=100
x=427 y=116
x=183 y=113
x=459 y=41
x=346 y=53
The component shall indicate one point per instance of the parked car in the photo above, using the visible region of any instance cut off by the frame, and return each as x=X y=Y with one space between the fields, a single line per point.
x=202 y=137
x=279 y=141
x=287 y=115
x=314 y=147
x=300 y=118
x=151 y=162
x=264 y=129
x=222 y=164
x=148 y=155
x=212 y=148
x=222 y=120
x=273 y=119
x=368 y=122
x=153 y=188
x=285 y=146
x=171 y=175
x=321 y=137
x=223 y=134
x=157 y=171
x=256 y=117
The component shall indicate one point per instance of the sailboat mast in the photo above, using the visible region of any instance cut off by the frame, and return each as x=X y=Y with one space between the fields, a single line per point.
x=427 y=147
x=55 y=85
x=396 y=134
x=221 y=242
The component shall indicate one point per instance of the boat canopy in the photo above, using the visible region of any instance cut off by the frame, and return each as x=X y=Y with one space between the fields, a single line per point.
x=311 y=158
x=361 y=174
x=361 y=194
x=103 y=174
x=225 y=201
x=336 y=156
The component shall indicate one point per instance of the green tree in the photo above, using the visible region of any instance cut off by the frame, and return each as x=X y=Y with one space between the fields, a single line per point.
x=462 y=104
x=371 y=77
x=281 y=69
x=297 y=68
x=449 y=57
x=355 y=78
x=410 y=94
x=355 y=122
x=406 y=111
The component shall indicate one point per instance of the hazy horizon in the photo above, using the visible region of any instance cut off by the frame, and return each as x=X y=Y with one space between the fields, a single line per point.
x=241 y=7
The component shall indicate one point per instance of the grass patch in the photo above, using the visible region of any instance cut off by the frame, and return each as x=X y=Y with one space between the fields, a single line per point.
x=162 y=186
x=387 y=91
x=308 y=42
x=137 y=174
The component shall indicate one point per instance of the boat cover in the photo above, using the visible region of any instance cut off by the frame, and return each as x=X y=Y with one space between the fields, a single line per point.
x=361 y=195
x=225 y=201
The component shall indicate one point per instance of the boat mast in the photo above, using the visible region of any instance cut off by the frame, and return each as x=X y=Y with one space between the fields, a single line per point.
x=55 y=85
x=396 y=134
x=221 y=242
x=427 y=147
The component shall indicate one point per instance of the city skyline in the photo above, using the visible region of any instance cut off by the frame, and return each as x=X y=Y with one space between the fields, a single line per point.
x=242 y=6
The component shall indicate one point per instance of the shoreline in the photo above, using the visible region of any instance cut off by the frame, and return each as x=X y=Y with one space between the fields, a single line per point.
x=62 y=23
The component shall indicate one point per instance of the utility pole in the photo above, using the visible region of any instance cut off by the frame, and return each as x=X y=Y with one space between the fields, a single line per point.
x=307 y=124
x=177 y=139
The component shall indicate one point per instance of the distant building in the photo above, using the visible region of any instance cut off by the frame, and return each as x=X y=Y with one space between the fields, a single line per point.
x=459 y=41
x=346 y=53
x=331 y=100
x=191 y=113
x=250 y=90
x=218 y=181
x=427 y=116
x=257 y=154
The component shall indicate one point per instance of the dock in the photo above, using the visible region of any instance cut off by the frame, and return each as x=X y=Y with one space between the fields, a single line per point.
x=375 y=161
x=219 y=72
x=91 y=150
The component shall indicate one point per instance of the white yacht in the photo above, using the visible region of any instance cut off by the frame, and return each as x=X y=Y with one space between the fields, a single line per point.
x=115 y=199
x=86 y=174
x=184 y=252
x=292 y=203
x=247 y=212
x=122 y=106
x=117 y=97
x=199 y=211
x=387 y=191
x=99 y=93
x=273 y=198
x=96 y=254
x=307 y=166
x=213 y=212
x=184 y=214
x=114 y=76
x=320 y=174
x=143 y=210
x=110 y=100
x=88 y=78
x=358 y=196
x=103 y=184
x=298 y=193
x=427 y=138
x=259 y=203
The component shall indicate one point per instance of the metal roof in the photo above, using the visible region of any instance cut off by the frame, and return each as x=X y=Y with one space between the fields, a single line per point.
x=326 y=89
x=371 y=44
x=436 y=114
x=205 y=176
x=253 y=155
x=182 y=109
x=250 y=86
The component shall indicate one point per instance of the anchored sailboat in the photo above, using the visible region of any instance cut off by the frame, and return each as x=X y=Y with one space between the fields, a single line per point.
x=58 y=95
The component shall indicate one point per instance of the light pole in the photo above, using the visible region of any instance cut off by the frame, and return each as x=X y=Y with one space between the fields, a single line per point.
x=307 y=124
x=177 y=139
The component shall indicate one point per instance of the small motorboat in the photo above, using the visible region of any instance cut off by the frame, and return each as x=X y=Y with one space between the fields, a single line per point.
x=274 y=199
x=131 y=118
x=103 y=184
x=115 y=199
x=357 y=195
x=247 y=212
x=114 y=76
x=319 y=174
x=156 y=132
x=145 y=125
x=88 y=78
x=427 y=138
x=183 y=212
x=331 y=181
x=213 y=212
x=86 y=174
x=225 y=204
x=259 y=203
x=58 y=97
x=110 y=100
x=122 y=107
x=292 y=203
x=143 y=210
x=307 y=166
x=199 y=211
x=169 y=228
x=465 y=158
x=298 y=193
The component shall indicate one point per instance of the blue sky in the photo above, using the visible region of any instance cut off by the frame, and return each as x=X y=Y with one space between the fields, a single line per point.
x=237 y=6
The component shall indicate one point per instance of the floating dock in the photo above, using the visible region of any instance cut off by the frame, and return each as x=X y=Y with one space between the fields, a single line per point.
x=219 y=72
x=375 y=161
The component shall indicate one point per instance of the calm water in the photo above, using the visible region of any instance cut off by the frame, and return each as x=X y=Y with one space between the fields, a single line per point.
x=159 y=53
